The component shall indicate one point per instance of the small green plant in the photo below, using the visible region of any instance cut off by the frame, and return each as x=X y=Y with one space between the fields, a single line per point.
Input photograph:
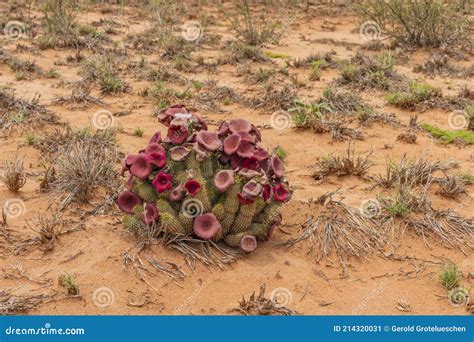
x=276 y=55
x=104 y=71
x=398 y=207
x=69 y=283
x=316 y=67
x=450 y=136
x=138 y=132
x=449 y=276
x=52 y=74
x=467 y=177
x=31 y=138
x=413 y=96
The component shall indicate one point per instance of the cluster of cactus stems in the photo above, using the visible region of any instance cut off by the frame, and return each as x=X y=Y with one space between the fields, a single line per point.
x=213 y=185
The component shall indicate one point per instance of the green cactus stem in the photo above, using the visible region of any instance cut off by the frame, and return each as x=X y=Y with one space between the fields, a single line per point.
x=193 y=164
x=260 y=206
x=203 y=196
x=233 y=240
x=165 y=207
x=219 y=212
x=176 y=167
x=259 y=230
x=269 y=214
x=132 y=223
x=244 y=218
x=171 y=225
x=187 y=222
x=206 y=167
x=145 y=191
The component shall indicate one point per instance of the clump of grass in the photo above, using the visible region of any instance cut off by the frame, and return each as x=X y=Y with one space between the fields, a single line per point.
x=254 y=27
x=397 y=206
x=14 y=174
x=451 y=187
x=450 y=136
x=368 y=72
x=466 y=177
x=138 y=132
x=48 y=229
x=260 y=305
x=23 y=69
x=272 y=98
x=61 y=29
x=438 y=64
x=449 y=276
x=408 y=172
x=80 y=162
x=161 y=95
x=104 y=70
x=69 y=283
x=348 y=164
x=434 y=23
x=417 y=95
x=408 y=136
x=31 y=138
x=326 y=59
x=238 y=52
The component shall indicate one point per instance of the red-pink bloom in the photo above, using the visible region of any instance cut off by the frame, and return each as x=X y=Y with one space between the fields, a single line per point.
x=206 y=226
x=246 y=136
x=277 y=166
x=156 y=138
x=223 y=180
x=155 y=147
x=178 y=193
x=162 y=182
x=210 y=140
x=248 y=243
x=165 y=116
x=192 y=186
x=250 y=163
x=239 y=125
x=127 y=163
x=235 y=161
x=127 y=200
x=244 y=200
x=245 y=149
x=178 y=134
x=280 y=193
x=223 y=129
x=179 y=153
x=157 y=159
x=150 y=214
x=141 y=168
x=231 y=144
x=267 y=192
x=260 y=154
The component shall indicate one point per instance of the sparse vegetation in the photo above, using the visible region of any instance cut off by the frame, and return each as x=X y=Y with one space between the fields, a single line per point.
x=14 y=174
x=418 y=95
x=69 y=283
x=449 y=276
x=450 y=136
x=103 y=70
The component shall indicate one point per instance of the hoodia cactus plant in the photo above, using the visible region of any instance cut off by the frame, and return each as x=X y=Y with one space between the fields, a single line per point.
x=213 y=185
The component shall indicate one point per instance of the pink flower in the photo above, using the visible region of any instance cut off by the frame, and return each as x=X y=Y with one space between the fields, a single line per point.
x=127 y=163
x=267 y=192
x=192 y=186
x=127 y=200
x=245 y=149
x=178 y=193
x=240 y=125
x=206 y=226
x=223 y=180
x=250 y=163
x=280 y=193
x=157 y=159
x=141 y=168
x=155 y=147
x=150 y=214
x=178 y=134
x=166 y=115
x=162 y=182
x=156 y=138
x=231 y=144
x=277 y=166
x=209 y=140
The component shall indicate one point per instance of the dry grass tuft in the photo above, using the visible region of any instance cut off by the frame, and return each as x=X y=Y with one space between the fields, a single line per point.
x=12 y=304
x=451 y=186
x=412 y=172
x=350 y=164
x=341 y=229
x=14 y=174
x=259 y=305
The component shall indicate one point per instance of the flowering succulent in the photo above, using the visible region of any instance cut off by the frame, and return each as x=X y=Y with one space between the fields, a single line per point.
x=219 y=185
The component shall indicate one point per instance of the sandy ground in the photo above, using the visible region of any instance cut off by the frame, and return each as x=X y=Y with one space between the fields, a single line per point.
x=94 y=255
